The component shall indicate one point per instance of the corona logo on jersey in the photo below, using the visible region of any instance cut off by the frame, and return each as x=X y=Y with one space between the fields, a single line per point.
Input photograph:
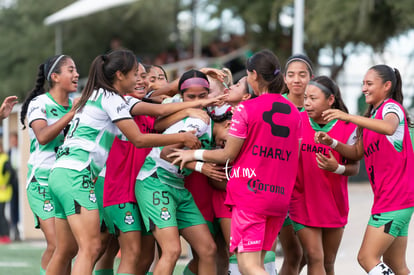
x=255 y=185
x=128 y=218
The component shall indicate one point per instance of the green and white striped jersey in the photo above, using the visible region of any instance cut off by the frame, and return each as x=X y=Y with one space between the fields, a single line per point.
x=92 y=131
x=164 y=170
x=42 y=157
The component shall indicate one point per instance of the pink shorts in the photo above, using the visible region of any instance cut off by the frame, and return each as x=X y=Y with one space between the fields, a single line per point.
x=220 y=209
x=251 y=232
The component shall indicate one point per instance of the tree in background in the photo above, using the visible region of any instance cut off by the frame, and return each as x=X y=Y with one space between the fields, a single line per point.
x=336 y=27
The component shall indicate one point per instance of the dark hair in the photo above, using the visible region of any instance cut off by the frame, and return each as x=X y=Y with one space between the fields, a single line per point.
x=103 y=71
x=45 y=70
x=301 y=58
x=386 y=73
x=162 y=69
x=147 y=67
x=329 y=87
x=267 y=66
x=248 y=89
x=191 y=74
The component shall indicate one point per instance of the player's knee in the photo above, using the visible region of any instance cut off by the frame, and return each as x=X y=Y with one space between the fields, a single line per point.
x=171 y=253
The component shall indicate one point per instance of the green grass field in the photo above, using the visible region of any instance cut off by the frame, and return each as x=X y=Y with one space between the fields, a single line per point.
x=23 y=258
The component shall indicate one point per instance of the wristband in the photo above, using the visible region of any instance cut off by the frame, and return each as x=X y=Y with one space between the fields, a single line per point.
x=199 y=166
x=340 y=170
x=334 y=143
x=198 y=154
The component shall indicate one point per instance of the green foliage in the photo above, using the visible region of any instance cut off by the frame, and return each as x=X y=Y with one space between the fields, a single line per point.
x=336 y=24
x=144 y=27
x=25 y=42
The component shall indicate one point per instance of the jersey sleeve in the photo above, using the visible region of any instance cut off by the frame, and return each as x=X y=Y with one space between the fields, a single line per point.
x=188 y=124
x=393 y=108
x=131 y=101
x=36 y=110
x=353 y=137
x=116 y=107
x=195 y=124
x=239 y=123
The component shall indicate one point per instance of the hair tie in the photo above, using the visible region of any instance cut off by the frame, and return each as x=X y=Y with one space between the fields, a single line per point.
x=321 y=86
x=301 y=60
x=194 y=82
x=53 y=67
x=276 y=72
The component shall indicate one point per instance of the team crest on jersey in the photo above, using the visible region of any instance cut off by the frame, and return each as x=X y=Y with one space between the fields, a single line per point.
x=92 y=196
x=128 y=218
x=47 y=206
x=165 y=215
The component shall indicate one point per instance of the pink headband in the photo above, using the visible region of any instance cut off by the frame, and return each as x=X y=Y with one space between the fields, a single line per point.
x=195 y=81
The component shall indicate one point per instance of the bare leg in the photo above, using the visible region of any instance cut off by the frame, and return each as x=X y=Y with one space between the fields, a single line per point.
x=251 y=263
x=395 y=256
x=48 y=229
x=147 y=254
x=106 y=261
x=375 y=243
x=66 y=249
x=199 y=237
x=293 y=260
x=169 y=241
x=311 y=240
x=85 y=228
x=331 y=239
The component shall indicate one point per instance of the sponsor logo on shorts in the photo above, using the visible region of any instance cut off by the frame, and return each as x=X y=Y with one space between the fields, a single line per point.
x=165 y=215
x=47 y=206
x=92 y=196
x=254 y=242
x=128 y=218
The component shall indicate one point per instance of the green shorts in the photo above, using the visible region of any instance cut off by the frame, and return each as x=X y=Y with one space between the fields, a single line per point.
x=297 y=226
x=395 y=222
x=288 y=221
x=166 y=206
x=40 y=201
x=99 y=190
x=71 y=190
x=123 y=217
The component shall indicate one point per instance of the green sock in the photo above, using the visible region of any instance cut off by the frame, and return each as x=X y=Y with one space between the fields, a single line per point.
x=104 y=272
x=148 y=273
x=269 y=263
x=42 y=271
x=270 y=257
x=124 y=274
x=187 y=271
x=233 y=259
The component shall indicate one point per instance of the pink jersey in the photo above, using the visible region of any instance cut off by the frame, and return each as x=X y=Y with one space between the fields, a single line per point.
x=220 y=209
x=320 y=197
x=389 y=171
x=264 y=172
x=202 y=192
x=123 y=165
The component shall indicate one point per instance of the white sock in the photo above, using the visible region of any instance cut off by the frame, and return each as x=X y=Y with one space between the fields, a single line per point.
x=381 y=269
x=233 y=267
x=269 y=263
